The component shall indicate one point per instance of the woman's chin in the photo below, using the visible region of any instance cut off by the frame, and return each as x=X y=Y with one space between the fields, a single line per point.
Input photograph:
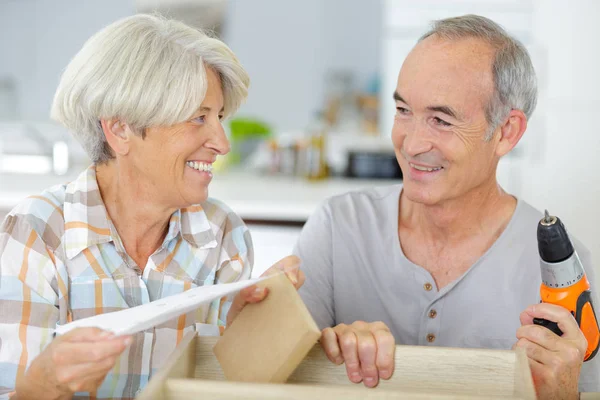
x=195 y=196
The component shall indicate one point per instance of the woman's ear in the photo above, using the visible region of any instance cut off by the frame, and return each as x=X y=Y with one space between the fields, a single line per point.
x=511 y=132
x=116 y=134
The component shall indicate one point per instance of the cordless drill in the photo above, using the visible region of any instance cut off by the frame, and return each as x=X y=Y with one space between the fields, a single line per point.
x=564 y=282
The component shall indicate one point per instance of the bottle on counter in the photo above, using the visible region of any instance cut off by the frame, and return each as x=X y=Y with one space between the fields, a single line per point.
x=316 y=156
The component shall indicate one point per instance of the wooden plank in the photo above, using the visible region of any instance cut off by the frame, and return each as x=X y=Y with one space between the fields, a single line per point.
x=590 y=396
x=432 y=368
x=447 y=370
x=268 y=340
x=180 y=364
x=180 y=389
x=524 y=387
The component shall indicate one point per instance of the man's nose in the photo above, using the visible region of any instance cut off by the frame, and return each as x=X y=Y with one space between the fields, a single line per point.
x=417 y=141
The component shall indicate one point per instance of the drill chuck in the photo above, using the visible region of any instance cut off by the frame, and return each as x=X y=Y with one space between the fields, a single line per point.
x=559 y=263
x=554 y=244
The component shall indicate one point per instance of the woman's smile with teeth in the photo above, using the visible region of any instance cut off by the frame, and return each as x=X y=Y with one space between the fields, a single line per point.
x=199 y=166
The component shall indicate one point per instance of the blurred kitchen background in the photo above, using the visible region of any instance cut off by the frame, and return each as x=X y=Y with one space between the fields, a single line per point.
x=318 y=118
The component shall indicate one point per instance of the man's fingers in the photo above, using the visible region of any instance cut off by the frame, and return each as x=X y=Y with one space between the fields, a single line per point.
x=349 y=346
x=534 y=351
x=367 y=355
x=552 y=312
x=386 y=351
x=526 y=318
x=539 y=372
x=540 y=335
x=331 y=347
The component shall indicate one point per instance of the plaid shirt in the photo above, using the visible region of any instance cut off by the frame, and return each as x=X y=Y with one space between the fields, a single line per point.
x=61 y=259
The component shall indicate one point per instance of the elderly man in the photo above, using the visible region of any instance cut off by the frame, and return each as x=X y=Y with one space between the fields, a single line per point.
x=448 y=258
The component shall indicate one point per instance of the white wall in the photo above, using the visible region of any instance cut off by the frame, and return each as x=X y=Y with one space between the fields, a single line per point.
x=567 y=179
x=39 y=37
x=287 y=46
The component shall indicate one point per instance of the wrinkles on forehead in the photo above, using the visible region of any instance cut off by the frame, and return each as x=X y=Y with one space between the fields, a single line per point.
x=455 y=74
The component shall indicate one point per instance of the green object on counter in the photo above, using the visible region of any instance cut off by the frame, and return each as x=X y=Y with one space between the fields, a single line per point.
x=246 y=135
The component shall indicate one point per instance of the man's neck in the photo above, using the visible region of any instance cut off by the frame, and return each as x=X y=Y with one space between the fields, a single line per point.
x=459 y=218
x=142 y=226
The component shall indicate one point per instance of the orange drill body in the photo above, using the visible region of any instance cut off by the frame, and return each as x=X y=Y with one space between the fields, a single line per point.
x=584 y=313
x=564 y=282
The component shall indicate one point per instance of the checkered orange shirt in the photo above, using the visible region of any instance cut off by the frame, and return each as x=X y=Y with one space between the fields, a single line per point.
x=61 y=259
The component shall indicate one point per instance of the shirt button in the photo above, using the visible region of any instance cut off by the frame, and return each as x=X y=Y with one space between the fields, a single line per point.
x=427 y=286
x=432 y=314
x=431 y=338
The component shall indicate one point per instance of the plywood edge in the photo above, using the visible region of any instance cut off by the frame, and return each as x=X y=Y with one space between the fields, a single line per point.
x=524 y=387
x=299 y=354
x=193 y=389
x=420 y=367
x=205 y=345
x=417 y=368
x=180 y=364
x=590 y=396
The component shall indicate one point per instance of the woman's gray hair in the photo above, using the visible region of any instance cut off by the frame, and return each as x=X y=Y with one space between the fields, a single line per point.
x=146 y=70
x=515 y=83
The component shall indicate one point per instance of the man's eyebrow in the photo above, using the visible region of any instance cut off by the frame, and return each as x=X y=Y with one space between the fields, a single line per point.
x=445 y=110
x=397 y=97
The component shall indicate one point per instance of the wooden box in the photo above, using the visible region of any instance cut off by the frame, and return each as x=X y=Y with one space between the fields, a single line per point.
x=193 y=372
x=273 y=342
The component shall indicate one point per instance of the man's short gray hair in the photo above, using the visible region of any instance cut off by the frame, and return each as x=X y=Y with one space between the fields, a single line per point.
x=146 y=70
x=515 y=83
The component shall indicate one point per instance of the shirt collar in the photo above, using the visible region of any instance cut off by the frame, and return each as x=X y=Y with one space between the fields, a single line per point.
x=195 y=227
x=86 y=219
x=87 y=222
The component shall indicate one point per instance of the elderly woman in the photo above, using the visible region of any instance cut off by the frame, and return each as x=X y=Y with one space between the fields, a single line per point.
x=145 y=97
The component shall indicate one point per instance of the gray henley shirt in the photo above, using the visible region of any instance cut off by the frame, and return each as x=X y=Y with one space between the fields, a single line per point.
x=356 y=271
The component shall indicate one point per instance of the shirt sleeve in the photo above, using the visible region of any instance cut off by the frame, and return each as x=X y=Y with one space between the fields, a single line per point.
x=315 y=250
x=28 y=298
x=236 y=259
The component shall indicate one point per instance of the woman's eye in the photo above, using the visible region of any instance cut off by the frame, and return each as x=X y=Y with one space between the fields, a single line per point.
x=441 y=122
x=220 y=118
x=199 y=119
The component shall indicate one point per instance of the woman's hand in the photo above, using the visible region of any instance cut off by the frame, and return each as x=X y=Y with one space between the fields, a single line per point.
x=289 y=265
x=76 y=362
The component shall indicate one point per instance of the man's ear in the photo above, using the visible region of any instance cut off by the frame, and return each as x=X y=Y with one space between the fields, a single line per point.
x=511 y=132
x=116 y=134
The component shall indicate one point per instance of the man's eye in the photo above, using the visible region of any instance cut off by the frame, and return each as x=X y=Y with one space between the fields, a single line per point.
x=402 y=110
x=441 y=122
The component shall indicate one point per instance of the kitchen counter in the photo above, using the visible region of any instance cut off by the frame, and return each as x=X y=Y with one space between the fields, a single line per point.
x=257 y=198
